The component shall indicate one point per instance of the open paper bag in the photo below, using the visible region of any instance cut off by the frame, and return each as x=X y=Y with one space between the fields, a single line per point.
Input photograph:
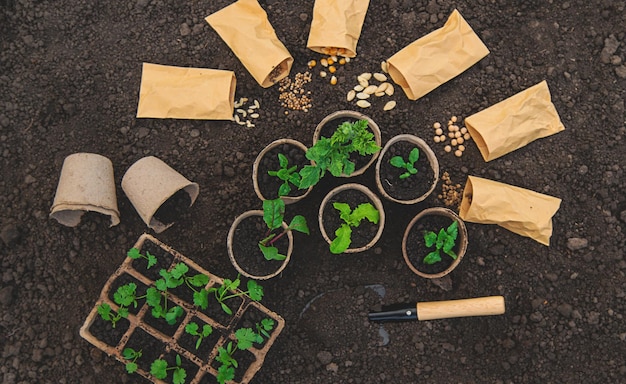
x=519 y=210
x=514 y=122
x=245 y=28
x=437 y=57
x=186 y=93
x=336 y=26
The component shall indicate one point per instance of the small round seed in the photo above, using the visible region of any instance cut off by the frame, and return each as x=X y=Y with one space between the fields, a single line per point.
x=324 y=62
x=363 y=103
x=457 y=134
x=453 y=142
x=460 y=140
x=437 y=125
x=467 y=136
x=447 y=148
x=312 y=63
x=442 y=138
x=322 y=74
x=439 y=131
x=461 y=148
x=458 y=153
x=333 y=80
x=436 y=139
x=332 y=69
x=453 y=118
x=463 y=130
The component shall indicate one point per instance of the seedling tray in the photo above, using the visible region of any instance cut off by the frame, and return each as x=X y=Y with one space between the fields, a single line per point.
x=141 y=322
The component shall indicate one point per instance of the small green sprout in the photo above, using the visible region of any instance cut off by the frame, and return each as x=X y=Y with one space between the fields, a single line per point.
x=131 y=355
x=288 y=175
x=273 y=214
x=224 y=292
x=352 y=219
x=442 y=241
x=265 y=327
x=134 y=253
x=409 y=165
x=159 y=369
x=106 y=312
x=192 y=329
x=124 y=296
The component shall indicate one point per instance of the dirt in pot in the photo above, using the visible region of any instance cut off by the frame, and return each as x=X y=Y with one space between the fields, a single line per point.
x=173 y=208
x=104 y=331
x=269 y=185
x=246 y=247
x=362 y=234
x=160 y=323
x=416 y=248
x=413 y=186
x=172 y=359
x=150 y=348
x=331 y=126
x=189 y=339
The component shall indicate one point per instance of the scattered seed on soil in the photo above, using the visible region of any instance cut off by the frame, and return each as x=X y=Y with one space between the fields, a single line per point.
x=436 y=139
x=389 y=106
x=363 y=103
x=254 y=115
x=384 y=66
x=451 y=194
x=333 y=80
x=362 y=95
x=358 y=88
x=439 y=131
x=447 y=148
x=292 y=92
x=467 y=136
x=351 y=95
x=389 y=90
x=458 y=153
x=312 y=64
x=323 y=74
x=324 y=62
x=365 y=75
x=370 y=90
x=437 y=125
x=461 y=148
x=380 y=76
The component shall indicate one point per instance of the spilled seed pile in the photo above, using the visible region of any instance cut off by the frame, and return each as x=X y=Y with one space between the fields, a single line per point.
x=292 y=93
x=245 y=111
x=458 y=136
x=364 y=90
x=451 y=194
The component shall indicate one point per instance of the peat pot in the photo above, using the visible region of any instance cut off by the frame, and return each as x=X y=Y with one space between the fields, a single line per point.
x=414 y=249
x=400 y=184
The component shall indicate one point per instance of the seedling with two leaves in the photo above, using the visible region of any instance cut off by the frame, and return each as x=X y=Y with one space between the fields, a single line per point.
x=273 y=215
x=287 y=174
x=351 y=219
x=160 y=368
x=228 y=290
x=409 y=165
x=444 y=241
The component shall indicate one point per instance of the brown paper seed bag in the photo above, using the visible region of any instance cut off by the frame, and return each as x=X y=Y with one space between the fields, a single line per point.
x=186 y=93
x=245 y=28
x=437 y=57
x=514 y=122
x=336 y=26
x=519 y=210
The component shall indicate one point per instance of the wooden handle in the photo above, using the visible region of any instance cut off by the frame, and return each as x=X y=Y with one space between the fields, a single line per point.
x=480 y=306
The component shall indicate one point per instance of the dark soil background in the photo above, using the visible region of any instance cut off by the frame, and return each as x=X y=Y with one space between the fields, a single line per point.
x=70 y=72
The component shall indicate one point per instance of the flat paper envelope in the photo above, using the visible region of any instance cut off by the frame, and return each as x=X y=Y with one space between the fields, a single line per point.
x=337 y=24
x=519 y=210
x=437 y=57
x=186 y=93
x=514 y=122
x=245 y=28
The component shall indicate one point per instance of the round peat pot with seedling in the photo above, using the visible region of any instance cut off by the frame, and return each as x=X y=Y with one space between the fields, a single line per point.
x=434 y=242
x=407 y=170
x=351 y=218
x=275 y=172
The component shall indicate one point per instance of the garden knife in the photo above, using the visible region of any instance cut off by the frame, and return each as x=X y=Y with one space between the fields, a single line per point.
x=480 y=306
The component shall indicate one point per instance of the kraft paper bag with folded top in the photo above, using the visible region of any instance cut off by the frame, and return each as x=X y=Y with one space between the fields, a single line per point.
x=519 y=210
x=245 y=28
x=186 y=93
x=437 y=57
x=336 y=26
x=514 y=122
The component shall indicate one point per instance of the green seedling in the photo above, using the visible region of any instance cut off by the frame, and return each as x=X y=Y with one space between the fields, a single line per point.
x=193 y=329
x=159 y=369
x=351 y=219
x=409 y=165
x=131 y=355
x=333 y=154
x=228 y=290
x=288 y=175
x=273 y=214
x=134 y=254
x=123 y=297
x=106 y=312
x=264 y=327
x=444 y=241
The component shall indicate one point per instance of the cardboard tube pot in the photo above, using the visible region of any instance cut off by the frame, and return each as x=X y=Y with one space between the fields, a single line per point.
x=386 y=187
x=258 y=164
x=373 y=199
x=149 y=183
x=416 y=228
x=336 y=26
x=245 y=28
x=86 y=184
x=351 y=116
x=437 y=57
x=232 y=233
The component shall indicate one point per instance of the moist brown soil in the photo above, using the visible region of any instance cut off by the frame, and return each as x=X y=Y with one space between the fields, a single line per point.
x=411 y=187
x=70 y=72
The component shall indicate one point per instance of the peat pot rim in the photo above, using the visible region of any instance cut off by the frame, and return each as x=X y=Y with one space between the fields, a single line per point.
x=257 y=161
x=462 y=240
x=231 y=255
x=432 y=159
x=355 y=115
x=375 y=200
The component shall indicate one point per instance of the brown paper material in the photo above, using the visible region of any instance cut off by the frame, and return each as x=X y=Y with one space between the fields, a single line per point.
x=186 y=93
x=337 y=24
x=437 y=57
x=86 y=184
x=245 y=28
x=519 y=210
x=514 y=122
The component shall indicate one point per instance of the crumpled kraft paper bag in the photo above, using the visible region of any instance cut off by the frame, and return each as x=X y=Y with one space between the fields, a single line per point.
x=519 y=210
x=245 y=28
x=437 y=57
x=337 y=24
x=514 y=122
x=186 y=93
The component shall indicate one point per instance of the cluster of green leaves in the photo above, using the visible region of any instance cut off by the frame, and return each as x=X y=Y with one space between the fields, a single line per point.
x=159 y=369
x=193 y=329
x=333 y=154
x=134 y=254
x=287 y=174
x=245 y=337
x=273 y=215
x=409 y=165
x=131 y=355
x=351 y=219
x=444 y=241
x=228 y=289
x=123 y=297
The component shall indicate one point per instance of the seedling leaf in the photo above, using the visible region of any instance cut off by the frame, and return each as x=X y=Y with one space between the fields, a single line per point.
x=342 y=240
x=158 y=369
x=133 y=253
x=432 y=258
x=273 y=212
x=245 y=338
x=271 y=253
x=397 y=161
x=298 y=223
x=255 y=291
x=201 y=298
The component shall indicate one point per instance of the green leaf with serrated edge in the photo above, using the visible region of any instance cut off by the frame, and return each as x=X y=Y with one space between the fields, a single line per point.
x=152 y=260
x=336 y=164
x=453 y=230
x=397 y=161
x=173 y=314
x=201 y=299
x=206 y=330
x=430 y=238
x=344 y=210
x=125 y=295
x=133 y=253
x=267 y=324
x=245 y=338
x=131 y=367
x=123 y=312
x=367 y=211
x=284 y=190
x=448 y=244
x=432 y=258
x=342 y=240
x=153 y=296
x=157 y=312
x=225 y=373
x=298 y=223
x=414 y=155
x=161 y=285
x=192 y=328
x=179 y=375
x=309 y=176
x=349 y=167
x=271 y=253
x=179 y=270
x=294 y=179
x=273 y=212
x=158 y=368
x=104 y=310
x=255 y=290
x=198 y=280
x=441 y=237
